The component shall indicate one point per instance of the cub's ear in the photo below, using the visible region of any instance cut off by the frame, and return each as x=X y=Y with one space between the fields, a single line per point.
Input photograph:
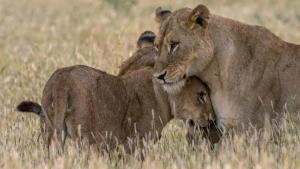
x=146 y=38
x=161 y=14
x=199 y=16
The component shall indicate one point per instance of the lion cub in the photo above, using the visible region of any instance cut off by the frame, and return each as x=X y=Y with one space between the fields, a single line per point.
x=81 y=101
x=193 y=105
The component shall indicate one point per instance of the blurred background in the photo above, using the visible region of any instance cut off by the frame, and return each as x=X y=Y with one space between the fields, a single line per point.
x=39 y=36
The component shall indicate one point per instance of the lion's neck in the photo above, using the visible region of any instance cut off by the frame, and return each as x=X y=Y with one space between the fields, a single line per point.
x=223 y=74
x=245 y=68
x=215 y=74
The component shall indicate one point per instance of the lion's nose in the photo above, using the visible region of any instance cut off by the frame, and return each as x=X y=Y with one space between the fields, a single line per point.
x=162 y=76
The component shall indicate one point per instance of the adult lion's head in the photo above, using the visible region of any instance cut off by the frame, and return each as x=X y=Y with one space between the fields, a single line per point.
x=183 y=38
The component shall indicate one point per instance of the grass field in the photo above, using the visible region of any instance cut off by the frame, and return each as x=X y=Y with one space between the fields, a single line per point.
x=37 y=37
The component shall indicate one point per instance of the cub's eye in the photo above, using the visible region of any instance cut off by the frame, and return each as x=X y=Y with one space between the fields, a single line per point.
x=201 y=97
x=173 y=47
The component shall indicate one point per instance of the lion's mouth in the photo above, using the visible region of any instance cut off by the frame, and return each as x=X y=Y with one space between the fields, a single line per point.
x=173 y=87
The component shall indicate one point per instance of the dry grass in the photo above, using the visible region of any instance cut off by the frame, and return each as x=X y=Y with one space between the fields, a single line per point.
x=37 y=37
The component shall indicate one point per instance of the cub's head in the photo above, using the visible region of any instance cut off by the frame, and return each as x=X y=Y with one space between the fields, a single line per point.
x=193 y=104
x=183 y=45
x=144 y=56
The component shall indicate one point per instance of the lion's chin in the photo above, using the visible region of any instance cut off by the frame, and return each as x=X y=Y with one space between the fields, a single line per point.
x=174 y=88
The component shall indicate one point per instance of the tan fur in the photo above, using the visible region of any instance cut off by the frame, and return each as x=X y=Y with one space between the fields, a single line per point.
x=191 y=103
x=83 y=101
x=143 y=57
x=184 y=103
x=251 y=72
x=101 y=105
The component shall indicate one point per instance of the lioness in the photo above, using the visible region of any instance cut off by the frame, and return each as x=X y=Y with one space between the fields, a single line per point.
x=252 y=73
x=103 y=108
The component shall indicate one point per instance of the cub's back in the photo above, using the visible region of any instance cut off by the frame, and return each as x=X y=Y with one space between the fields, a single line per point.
x=93 y=99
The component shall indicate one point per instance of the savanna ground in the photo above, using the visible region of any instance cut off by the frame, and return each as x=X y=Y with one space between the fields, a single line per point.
x=37 y=37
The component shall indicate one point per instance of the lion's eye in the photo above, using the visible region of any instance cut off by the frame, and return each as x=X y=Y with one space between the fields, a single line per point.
x=201 y=97
x=173 y=47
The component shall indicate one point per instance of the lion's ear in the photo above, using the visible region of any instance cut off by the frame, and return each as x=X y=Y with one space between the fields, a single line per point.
x=146 y=38
x=199 y=16
x=161 y=14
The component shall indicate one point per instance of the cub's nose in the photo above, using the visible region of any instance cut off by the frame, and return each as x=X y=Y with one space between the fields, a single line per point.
x=162 y=76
